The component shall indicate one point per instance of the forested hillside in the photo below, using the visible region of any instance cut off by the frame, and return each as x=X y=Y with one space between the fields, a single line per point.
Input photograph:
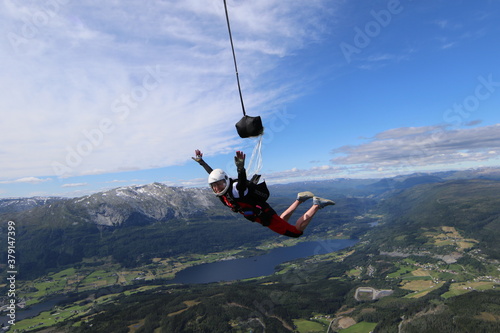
x=135 y=224
x=472 y=206
x=403 y=253
x=429 y=242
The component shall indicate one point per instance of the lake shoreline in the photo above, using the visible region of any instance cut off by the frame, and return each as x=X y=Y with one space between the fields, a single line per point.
x=257 y=266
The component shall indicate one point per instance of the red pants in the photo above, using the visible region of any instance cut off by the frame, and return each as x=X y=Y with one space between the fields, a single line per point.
x=267 y=217
x=282 y=227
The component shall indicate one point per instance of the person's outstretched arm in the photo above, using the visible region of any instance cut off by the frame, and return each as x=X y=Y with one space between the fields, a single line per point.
x=199 y=158
x=239 y=161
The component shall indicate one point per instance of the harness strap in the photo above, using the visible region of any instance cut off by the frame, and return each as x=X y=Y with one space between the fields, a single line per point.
x=251 y=213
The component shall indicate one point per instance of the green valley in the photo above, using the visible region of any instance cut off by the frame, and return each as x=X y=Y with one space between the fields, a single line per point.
x=426 y=261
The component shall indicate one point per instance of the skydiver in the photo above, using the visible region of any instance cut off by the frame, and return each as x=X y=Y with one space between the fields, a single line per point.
x=239 y=195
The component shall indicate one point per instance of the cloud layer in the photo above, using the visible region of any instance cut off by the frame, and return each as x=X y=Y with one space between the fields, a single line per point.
x=415 y=147
x=406 y=150
x=95 y=87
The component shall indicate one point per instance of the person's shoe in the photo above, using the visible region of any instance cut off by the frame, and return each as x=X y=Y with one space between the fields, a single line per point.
x=322 y=203
x=303 y=196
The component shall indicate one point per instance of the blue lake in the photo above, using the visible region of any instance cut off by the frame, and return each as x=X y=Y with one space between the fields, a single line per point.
x=263 y=265
x=33 y=310
x=228 y=270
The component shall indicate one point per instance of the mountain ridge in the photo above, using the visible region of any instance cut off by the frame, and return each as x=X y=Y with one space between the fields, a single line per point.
x=431 y=239
x=156 y=202
x=167 y=216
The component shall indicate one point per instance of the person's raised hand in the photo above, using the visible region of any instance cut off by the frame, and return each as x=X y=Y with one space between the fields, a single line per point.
x=239 y=160
x=198 y=156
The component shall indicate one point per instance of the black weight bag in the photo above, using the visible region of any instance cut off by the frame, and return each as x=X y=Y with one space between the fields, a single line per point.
x=249 y=126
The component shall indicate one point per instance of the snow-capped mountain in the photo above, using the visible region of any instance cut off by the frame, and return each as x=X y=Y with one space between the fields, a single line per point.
x=137 y=204
x=155 y=202
x=13 y=205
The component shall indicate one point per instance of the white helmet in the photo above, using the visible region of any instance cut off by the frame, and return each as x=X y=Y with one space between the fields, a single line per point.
x=218 y=175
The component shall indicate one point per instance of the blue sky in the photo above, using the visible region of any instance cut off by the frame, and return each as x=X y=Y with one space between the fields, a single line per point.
x=97 y=95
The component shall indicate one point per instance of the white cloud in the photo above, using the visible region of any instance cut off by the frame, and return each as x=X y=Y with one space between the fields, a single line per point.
x=81 y=97
x=114 y=181
x=28 y=180
x=315 y=173
x=414 y=147
x=448 y=45
x=442 y=23
x=74 y=185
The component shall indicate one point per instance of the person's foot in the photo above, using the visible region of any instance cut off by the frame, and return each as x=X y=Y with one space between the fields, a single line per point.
x=303 y=196
x=322 y=203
